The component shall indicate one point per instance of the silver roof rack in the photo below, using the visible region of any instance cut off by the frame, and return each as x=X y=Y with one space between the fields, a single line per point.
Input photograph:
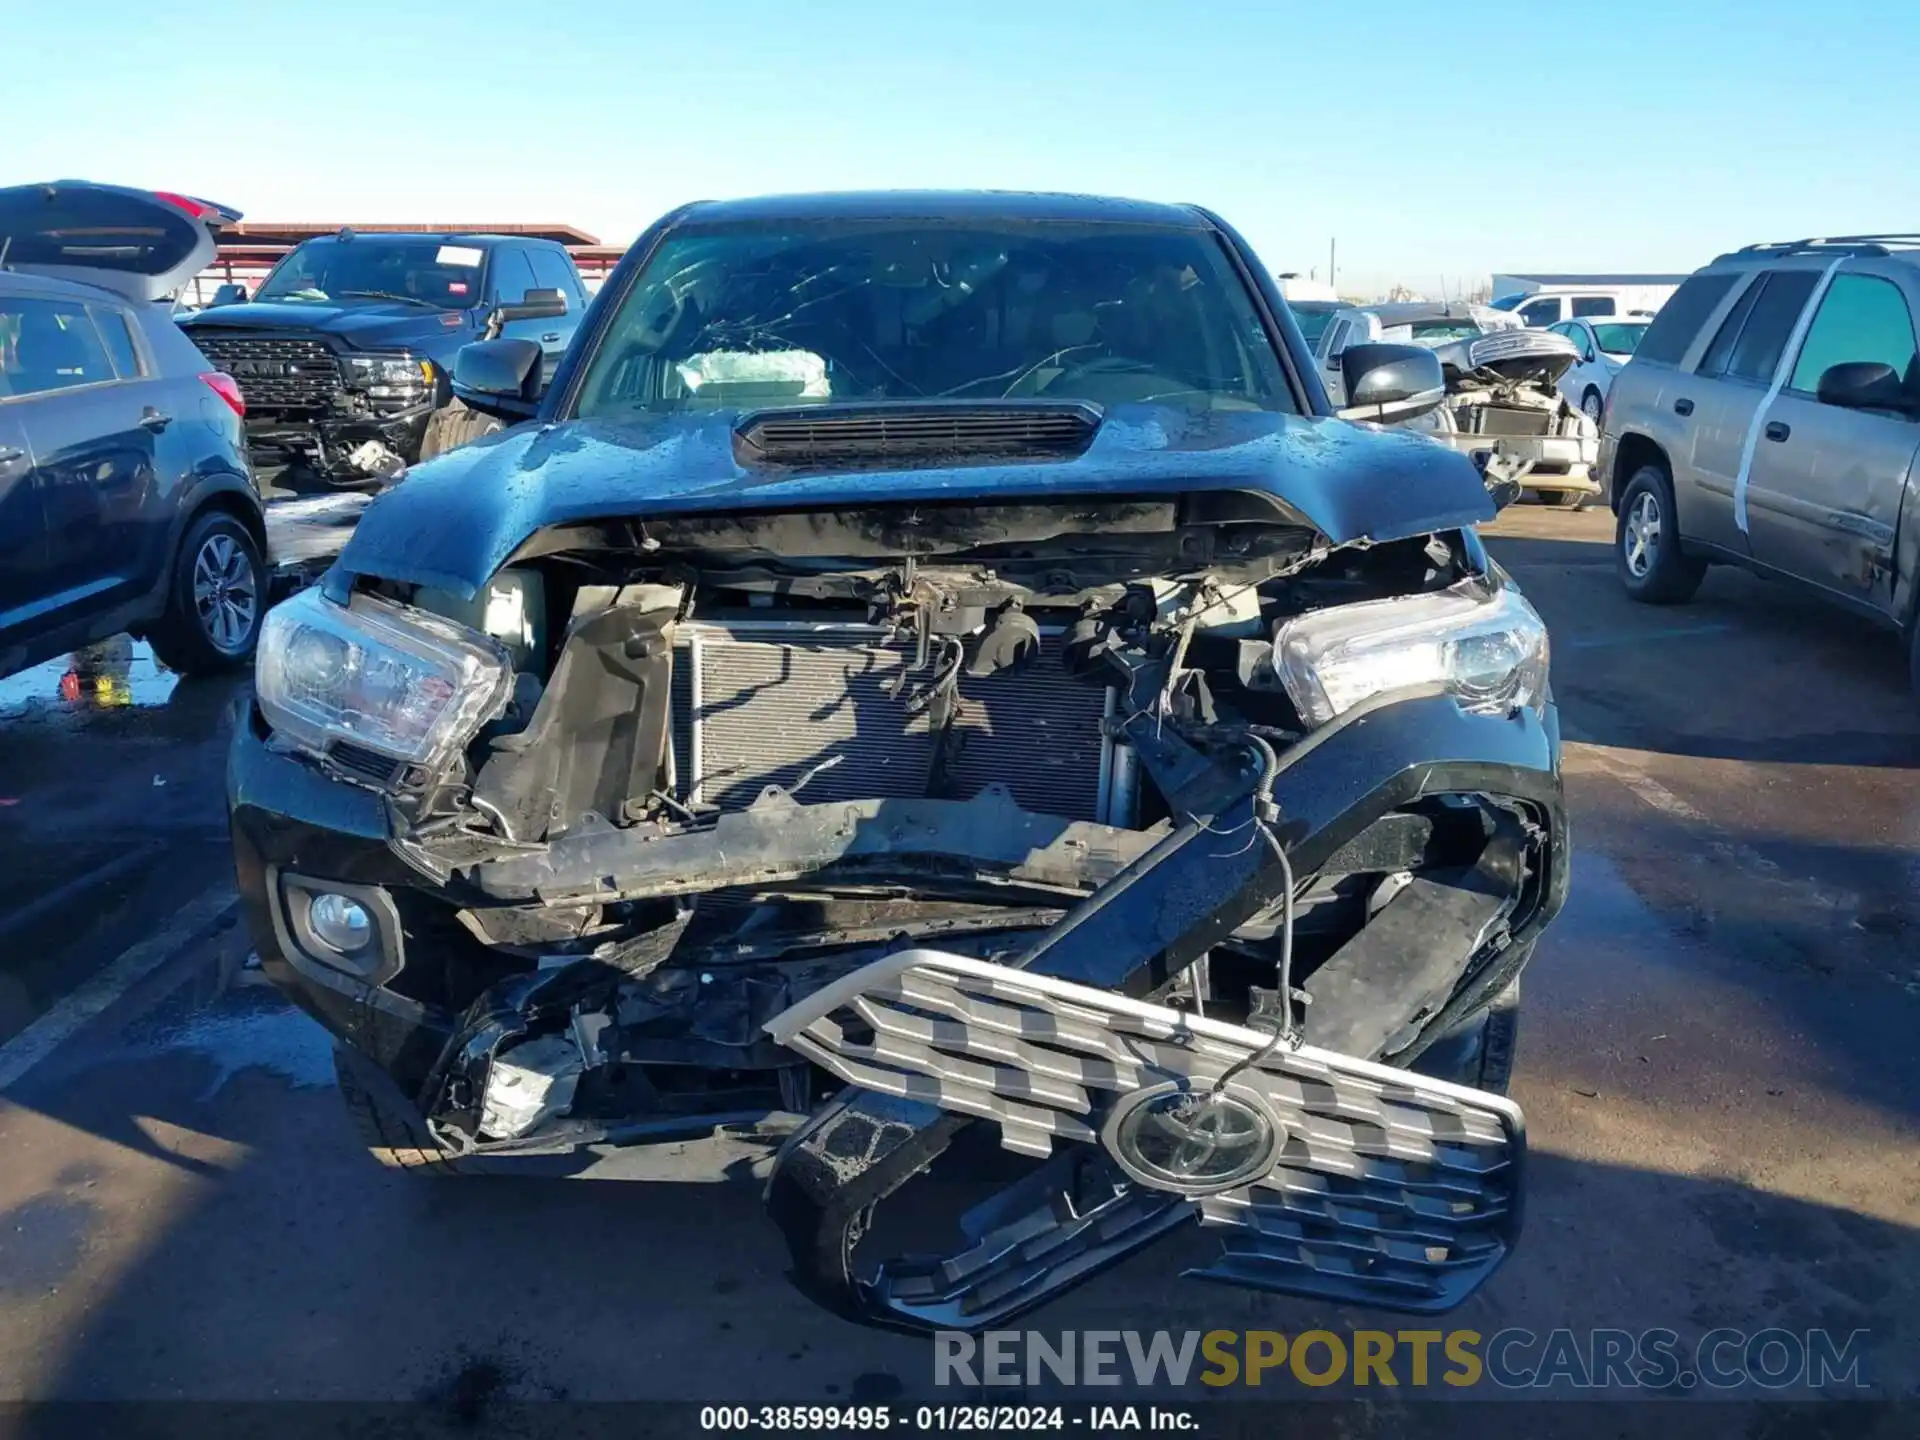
x=1864 y=245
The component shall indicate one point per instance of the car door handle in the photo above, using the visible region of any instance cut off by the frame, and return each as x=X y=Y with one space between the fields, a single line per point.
x=1777 y=430
x=550 y=337
x=1683 y=406
x=152 y=419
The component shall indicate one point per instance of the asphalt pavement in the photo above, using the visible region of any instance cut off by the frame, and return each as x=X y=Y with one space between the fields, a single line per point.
x=1717 y=1058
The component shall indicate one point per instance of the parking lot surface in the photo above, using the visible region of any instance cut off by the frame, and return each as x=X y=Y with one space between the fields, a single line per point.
x=1717 y=1060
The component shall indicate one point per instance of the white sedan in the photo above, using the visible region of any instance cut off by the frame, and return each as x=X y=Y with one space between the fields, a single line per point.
x=1605 y=344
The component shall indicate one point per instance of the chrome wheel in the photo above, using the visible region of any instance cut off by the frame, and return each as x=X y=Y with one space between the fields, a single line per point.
x=226 y=593
x=1640 y=536
x=1593 y=406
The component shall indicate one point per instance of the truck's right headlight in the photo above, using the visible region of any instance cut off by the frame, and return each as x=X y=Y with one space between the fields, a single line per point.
x=407 y=685
x=1487 y=647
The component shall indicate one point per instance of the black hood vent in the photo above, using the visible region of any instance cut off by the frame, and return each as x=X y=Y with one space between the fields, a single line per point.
x=933 y=433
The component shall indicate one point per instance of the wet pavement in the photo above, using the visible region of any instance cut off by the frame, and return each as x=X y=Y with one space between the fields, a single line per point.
x=1717 y=1060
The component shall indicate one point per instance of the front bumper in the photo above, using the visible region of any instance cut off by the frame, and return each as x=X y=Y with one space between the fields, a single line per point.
x=1554 y=462
x=1158 y=903
x=326 y=441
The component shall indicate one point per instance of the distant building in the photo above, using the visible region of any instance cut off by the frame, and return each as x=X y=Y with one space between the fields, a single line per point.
x=248 y=250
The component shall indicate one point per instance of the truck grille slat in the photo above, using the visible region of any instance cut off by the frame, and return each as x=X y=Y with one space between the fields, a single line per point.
x=774 y=704
x=274 y=372
x=1409 y=1212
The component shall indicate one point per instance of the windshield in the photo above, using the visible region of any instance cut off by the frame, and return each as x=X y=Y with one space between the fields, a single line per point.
x=422 y=272
x=1618 y=339
x=1441 y=332
x=1507 y=302
x=907 y=310
x=1313 y=324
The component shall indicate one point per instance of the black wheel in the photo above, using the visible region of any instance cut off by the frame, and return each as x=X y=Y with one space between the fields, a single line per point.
x=1480 y=1053
x=394 y=1135
x=1565 y=499
x=1592 y=406
x=216 y=599
x=1646 y=543
x=454 y=425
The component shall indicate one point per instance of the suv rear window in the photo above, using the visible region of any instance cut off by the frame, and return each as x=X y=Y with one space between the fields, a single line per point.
x=1756 y=355
x=48 y=345
x=1680 y=319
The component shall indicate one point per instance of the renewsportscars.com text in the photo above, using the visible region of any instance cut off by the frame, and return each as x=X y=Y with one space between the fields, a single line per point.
x=1512 y=1359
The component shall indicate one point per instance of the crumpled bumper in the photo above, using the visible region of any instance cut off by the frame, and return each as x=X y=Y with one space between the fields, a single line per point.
x=1325 y=1175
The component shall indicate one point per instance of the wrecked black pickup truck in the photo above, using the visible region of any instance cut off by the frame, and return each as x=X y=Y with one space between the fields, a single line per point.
x=937 y=707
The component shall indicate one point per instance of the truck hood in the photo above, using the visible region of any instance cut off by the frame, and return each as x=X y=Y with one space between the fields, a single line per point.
x=377 y=325
x=453 y=522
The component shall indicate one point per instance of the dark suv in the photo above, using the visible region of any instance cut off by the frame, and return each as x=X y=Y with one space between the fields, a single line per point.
x=126 y=502
x=1770 y=419
x=938 y=677
x=344 y=354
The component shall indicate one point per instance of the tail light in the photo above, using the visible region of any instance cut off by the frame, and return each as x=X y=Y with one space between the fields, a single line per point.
x=228 y=389
x=208 y=212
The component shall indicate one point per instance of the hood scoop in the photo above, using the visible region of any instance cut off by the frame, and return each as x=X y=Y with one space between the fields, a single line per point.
x=936 y=433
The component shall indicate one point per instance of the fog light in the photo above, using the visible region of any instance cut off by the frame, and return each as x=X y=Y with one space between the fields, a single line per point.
x=340 y=923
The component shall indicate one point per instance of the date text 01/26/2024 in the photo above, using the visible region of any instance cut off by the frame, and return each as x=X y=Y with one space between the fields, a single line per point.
x=979 y=1419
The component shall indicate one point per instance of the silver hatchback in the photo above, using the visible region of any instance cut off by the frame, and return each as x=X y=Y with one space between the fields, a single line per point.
x=1771 y=419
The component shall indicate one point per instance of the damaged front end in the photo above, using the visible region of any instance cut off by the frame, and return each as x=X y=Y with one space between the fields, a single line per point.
x=1079 y=867
x=1504 y=408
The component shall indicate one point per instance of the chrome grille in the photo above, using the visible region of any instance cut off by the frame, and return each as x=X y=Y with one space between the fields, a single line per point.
x=760 y=705
x=1387 y=1188
x=274 y=372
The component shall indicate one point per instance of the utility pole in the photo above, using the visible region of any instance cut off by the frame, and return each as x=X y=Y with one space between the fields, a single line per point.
x=1331 y=243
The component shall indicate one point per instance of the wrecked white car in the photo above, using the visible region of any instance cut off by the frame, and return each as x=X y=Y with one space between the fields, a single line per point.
x=1505 y=409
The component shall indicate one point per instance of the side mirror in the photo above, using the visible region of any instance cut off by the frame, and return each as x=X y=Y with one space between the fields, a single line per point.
x=534 y=305
x=499 y=377
x=229 y=295
x=1391 y=383
x=1864 y=385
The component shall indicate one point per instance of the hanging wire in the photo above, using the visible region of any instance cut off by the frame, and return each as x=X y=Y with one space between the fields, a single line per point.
x=1266 y=815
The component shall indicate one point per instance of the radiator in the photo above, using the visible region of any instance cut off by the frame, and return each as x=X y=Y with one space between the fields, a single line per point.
x=758 y=704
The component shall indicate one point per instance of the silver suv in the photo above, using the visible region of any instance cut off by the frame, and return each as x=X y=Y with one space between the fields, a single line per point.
x=1770 y=419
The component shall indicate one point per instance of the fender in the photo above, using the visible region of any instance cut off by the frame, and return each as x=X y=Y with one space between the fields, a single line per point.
x=204 y=489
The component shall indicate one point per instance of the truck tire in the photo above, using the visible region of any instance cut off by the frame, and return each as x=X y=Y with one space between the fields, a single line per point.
x=1646 y=543
x=454 y=425
x=1566 y=499
x=216 y=598
x=393 y=1133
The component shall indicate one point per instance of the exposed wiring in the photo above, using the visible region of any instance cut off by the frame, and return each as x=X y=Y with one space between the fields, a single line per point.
x=1265 y=815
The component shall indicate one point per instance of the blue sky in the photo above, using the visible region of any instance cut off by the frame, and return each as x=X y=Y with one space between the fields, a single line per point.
x=1637 y=135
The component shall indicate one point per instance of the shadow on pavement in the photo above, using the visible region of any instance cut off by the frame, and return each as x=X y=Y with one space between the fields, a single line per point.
x=1751 y=670
x=277 y=1263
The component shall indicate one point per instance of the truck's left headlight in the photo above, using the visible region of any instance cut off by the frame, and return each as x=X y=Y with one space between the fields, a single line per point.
x=1487 y=647
x=391 y=679
x=389 y=376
